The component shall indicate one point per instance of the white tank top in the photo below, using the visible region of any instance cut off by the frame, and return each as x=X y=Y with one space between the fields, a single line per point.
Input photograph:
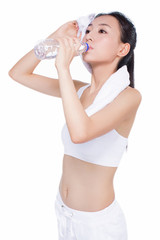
x=106 y=150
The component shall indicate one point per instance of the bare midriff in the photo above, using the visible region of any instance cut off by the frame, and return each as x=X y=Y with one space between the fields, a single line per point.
x=85 y=186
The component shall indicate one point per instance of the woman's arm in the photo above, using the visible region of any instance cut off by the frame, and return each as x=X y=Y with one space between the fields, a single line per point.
x=81 y=127
x=22 y=71
x=76 y=118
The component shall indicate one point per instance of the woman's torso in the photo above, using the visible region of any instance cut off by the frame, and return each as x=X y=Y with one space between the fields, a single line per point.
x=85 y=186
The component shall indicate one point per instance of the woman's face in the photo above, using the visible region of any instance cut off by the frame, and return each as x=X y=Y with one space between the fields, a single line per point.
x=103 y=38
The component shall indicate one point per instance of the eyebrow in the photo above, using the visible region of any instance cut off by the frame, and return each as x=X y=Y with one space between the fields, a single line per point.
x=101 y=24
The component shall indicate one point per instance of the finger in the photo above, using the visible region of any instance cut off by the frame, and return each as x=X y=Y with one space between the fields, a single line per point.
x=59 y=40
x=76 y=40
x=72 y=44
x=62 y=43
x=68 y=42
x=80 y=36
x=77 y=43
x=75 y=23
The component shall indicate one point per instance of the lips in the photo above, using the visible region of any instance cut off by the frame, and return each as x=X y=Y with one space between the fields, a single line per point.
x=90 y=47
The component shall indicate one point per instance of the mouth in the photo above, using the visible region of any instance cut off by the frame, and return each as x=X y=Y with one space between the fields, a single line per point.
x=90 y=47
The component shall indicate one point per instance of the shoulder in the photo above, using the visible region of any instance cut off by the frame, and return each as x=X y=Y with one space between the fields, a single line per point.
x=135 y=95
x=127 y=102
x=131 y=95
x=134 y=91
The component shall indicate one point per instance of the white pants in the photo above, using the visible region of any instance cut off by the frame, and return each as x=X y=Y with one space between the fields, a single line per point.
x=106 y=224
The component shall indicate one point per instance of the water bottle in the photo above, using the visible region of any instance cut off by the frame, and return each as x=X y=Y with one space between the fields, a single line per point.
x=48 y=48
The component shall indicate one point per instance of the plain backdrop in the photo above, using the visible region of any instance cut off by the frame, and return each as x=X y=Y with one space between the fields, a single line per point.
x=31 y=150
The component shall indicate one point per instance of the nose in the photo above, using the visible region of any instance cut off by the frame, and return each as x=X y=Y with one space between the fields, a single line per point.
x=89 y=37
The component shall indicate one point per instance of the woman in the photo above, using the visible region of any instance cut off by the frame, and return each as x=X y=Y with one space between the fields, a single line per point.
x=94 y=139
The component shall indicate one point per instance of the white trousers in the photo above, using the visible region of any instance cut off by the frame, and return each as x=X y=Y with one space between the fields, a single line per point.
x=106 y=224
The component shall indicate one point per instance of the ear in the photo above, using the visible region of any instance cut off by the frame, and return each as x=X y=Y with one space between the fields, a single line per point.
x=124 y=49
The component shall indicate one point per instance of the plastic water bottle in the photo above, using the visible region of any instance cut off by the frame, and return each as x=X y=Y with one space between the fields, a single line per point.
x=48 y=48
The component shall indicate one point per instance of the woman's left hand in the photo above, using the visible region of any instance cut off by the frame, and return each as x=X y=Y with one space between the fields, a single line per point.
x=66 y=52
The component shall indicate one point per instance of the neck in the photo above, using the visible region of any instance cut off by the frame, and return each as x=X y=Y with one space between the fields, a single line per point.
x=100 y=74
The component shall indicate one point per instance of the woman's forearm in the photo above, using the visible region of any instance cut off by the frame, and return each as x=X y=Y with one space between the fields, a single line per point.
x=76 y=117
x=29 y=62
x=25 y=65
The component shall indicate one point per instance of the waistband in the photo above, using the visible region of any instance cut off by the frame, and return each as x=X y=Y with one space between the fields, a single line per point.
x=83 y=215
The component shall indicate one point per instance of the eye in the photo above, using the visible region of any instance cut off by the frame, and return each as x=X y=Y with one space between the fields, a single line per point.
x=102 y=31
x=87 y=31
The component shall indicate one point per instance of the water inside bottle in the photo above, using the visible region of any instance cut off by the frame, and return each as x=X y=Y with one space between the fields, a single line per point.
x=47 y=49
x=51 y=50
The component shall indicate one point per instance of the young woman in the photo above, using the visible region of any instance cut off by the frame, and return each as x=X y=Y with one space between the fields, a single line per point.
x=99 y=117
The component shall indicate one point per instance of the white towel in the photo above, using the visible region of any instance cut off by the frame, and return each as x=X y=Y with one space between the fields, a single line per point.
x=115 y=84
x=83 y=23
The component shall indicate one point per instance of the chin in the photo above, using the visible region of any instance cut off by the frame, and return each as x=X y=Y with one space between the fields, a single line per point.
x=88 y=59
x=91 y=58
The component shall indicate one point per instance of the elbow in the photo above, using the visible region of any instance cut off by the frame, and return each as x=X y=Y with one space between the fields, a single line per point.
x=81 y=135
x=78 y=138
x=11 y=74
x=14 y=75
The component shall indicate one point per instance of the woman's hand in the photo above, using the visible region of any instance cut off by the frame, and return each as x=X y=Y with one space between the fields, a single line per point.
x=66 y=52
x=69 y=29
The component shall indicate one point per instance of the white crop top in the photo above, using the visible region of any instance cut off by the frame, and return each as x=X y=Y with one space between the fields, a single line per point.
x=106 y=150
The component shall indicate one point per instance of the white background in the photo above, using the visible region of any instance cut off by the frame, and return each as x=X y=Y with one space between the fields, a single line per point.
x=31 y=150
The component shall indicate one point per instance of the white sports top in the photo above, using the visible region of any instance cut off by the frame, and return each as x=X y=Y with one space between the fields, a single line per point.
x=106 y=150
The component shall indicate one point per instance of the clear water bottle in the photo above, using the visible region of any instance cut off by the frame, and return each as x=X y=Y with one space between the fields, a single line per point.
x=48 y=48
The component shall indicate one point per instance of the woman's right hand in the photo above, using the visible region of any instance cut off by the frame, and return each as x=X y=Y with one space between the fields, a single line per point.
x=69 y=29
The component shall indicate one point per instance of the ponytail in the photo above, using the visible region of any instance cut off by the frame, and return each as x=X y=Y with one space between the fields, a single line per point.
x=129 y=61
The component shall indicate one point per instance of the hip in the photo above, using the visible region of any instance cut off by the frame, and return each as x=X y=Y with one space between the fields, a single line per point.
x=108 y=223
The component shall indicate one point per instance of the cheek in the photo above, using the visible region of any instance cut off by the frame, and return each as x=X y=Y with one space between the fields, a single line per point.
x=109 y=44
x=107 y=49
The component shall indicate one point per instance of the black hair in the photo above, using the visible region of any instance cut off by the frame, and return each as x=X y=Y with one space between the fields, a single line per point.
x=128 y=35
